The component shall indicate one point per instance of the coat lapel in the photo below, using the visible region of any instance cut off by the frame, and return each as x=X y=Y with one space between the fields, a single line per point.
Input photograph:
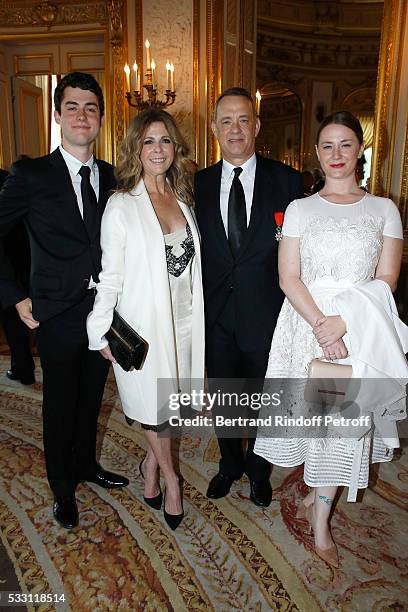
x=191 y=220
x=156 y=249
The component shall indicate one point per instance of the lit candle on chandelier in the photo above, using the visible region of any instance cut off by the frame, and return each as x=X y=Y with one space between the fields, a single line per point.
x=154 y=74
x=258 y=102
x=172 y=77
x=135 y=71
x=127 y=73
x=168 y=69
x=148 y=63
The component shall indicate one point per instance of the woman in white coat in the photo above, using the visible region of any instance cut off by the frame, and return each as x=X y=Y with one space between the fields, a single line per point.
x=151 y=274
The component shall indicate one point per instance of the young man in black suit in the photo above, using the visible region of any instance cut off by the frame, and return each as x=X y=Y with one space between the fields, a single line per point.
x=235 y=203
x=61 y=198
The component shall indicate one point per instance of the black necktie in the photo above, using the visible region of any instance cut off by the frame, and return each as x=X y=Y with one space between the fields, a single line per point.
x=237 y=219
x=89 y=202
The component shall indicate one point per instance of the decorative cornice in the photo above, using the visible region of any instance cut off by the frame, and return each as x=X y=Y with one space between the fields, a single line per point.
x=56 y=13
x=322 y=17
x=308 y=53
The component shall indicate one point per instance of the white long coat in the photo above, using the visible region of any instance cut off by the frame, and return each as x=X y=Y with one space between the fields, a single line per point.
x=134 y=279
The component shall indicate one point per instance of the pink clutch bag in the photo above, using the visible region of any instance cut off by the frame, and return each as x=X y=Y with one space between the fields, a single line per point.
x=327 y=382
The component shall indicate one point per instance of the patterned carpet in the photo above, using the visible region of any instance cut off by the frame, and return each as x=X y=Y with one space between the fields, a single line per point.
x=227 y=555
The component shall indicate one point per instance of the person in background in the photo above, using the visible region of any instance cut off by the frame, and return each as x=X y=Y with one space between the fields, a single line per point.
x=61 y=198
x=318 y=177
x=17 y=334
x=308 y=182
x=360 y=171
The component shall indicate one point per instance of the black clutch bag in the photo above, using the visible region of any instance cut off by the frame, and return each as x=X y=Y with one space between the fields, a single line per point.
x=127 y=347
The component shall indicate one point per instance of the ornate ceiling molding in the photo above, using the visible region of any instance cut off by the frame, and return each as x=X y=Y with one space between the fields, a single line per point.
x=322 y=17
x=56 y=13
x=317 y=54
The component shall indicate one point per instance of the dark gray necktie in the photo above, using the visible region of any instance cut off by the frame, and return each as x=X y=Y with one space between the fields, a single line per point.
x=237 y=219
x=89 y=202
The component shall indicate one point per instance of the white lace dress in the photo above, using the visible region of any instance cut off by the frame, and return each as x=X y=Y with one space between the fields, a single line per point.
x=340 y=246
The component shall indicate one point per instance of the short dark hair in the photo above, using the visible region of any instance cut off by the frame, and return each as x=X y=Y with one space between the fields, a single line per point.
x=82 y=80
x=234 y=91
x=342 y=118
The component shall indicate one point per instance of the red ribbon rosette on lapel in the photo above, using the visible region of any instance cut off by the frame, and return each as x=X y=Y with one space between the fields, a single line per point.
x=279 y=222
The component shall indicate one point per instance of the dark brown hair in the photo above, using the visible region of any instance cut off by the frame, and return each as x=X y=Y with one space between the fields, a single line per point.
x=342 y=118
x=84 y=81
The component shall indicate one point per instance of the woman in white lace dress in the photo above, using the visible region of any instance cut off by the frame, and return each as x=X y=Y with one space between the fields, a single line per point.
x=332 y=240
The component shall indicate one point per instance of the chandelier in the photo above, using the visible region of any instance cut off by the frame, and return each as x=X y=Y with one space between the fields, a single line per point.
x=136 y=97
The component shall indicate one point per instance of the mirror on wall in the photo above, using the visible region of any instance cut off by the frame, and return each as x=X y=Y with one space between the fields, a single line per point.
x=314 y=58
x=281 y=120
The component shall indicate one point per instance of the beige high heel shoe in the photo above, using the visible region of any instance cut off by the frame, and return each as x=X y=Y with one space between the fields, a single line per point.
x=329 y=555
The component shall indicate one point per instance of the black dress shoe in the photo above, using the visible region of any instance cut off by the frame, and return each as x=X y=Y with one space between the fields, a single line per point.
x=261 y=492
x=105 y=479
x=25 y=379
x=219 y=486
x=65 y=511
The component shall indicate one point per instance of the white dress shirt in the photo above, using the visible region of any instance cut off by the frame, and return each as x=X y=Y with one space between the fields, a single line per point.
x=74 y=166
x=247 y=178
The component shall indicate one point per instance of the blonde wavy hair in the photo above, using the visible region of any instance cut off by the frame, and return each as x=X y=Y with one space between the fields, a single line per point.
x=129 y=169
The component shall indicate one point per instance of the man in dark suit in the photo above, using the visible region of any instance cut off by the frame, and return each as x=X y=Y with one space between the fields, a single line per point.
x=236 y=202
x=61 y=198
x=17 y=334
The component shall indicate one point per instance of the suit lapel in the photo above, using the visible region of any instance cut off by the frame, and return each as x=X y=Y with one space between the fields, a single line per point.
x=104 y=189
x=257 y=208
x=62 y=176
x=214 y=195
x=104 y=185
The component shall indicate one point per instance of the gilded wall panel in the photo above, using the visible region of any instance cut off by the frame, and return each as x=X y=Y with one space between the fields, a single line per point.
x=33 y=64
x=169 y=28
x=231 y=15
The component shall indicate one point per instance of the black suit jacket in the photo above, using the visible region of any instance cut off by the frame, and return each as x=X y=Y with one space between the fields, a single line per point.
x=252 y=279
x=63 y=256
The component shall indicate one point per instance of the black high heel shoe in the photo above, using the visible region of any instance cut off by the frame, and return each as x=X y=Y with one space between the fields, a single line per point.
x=153 y=502
x=173 y=520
